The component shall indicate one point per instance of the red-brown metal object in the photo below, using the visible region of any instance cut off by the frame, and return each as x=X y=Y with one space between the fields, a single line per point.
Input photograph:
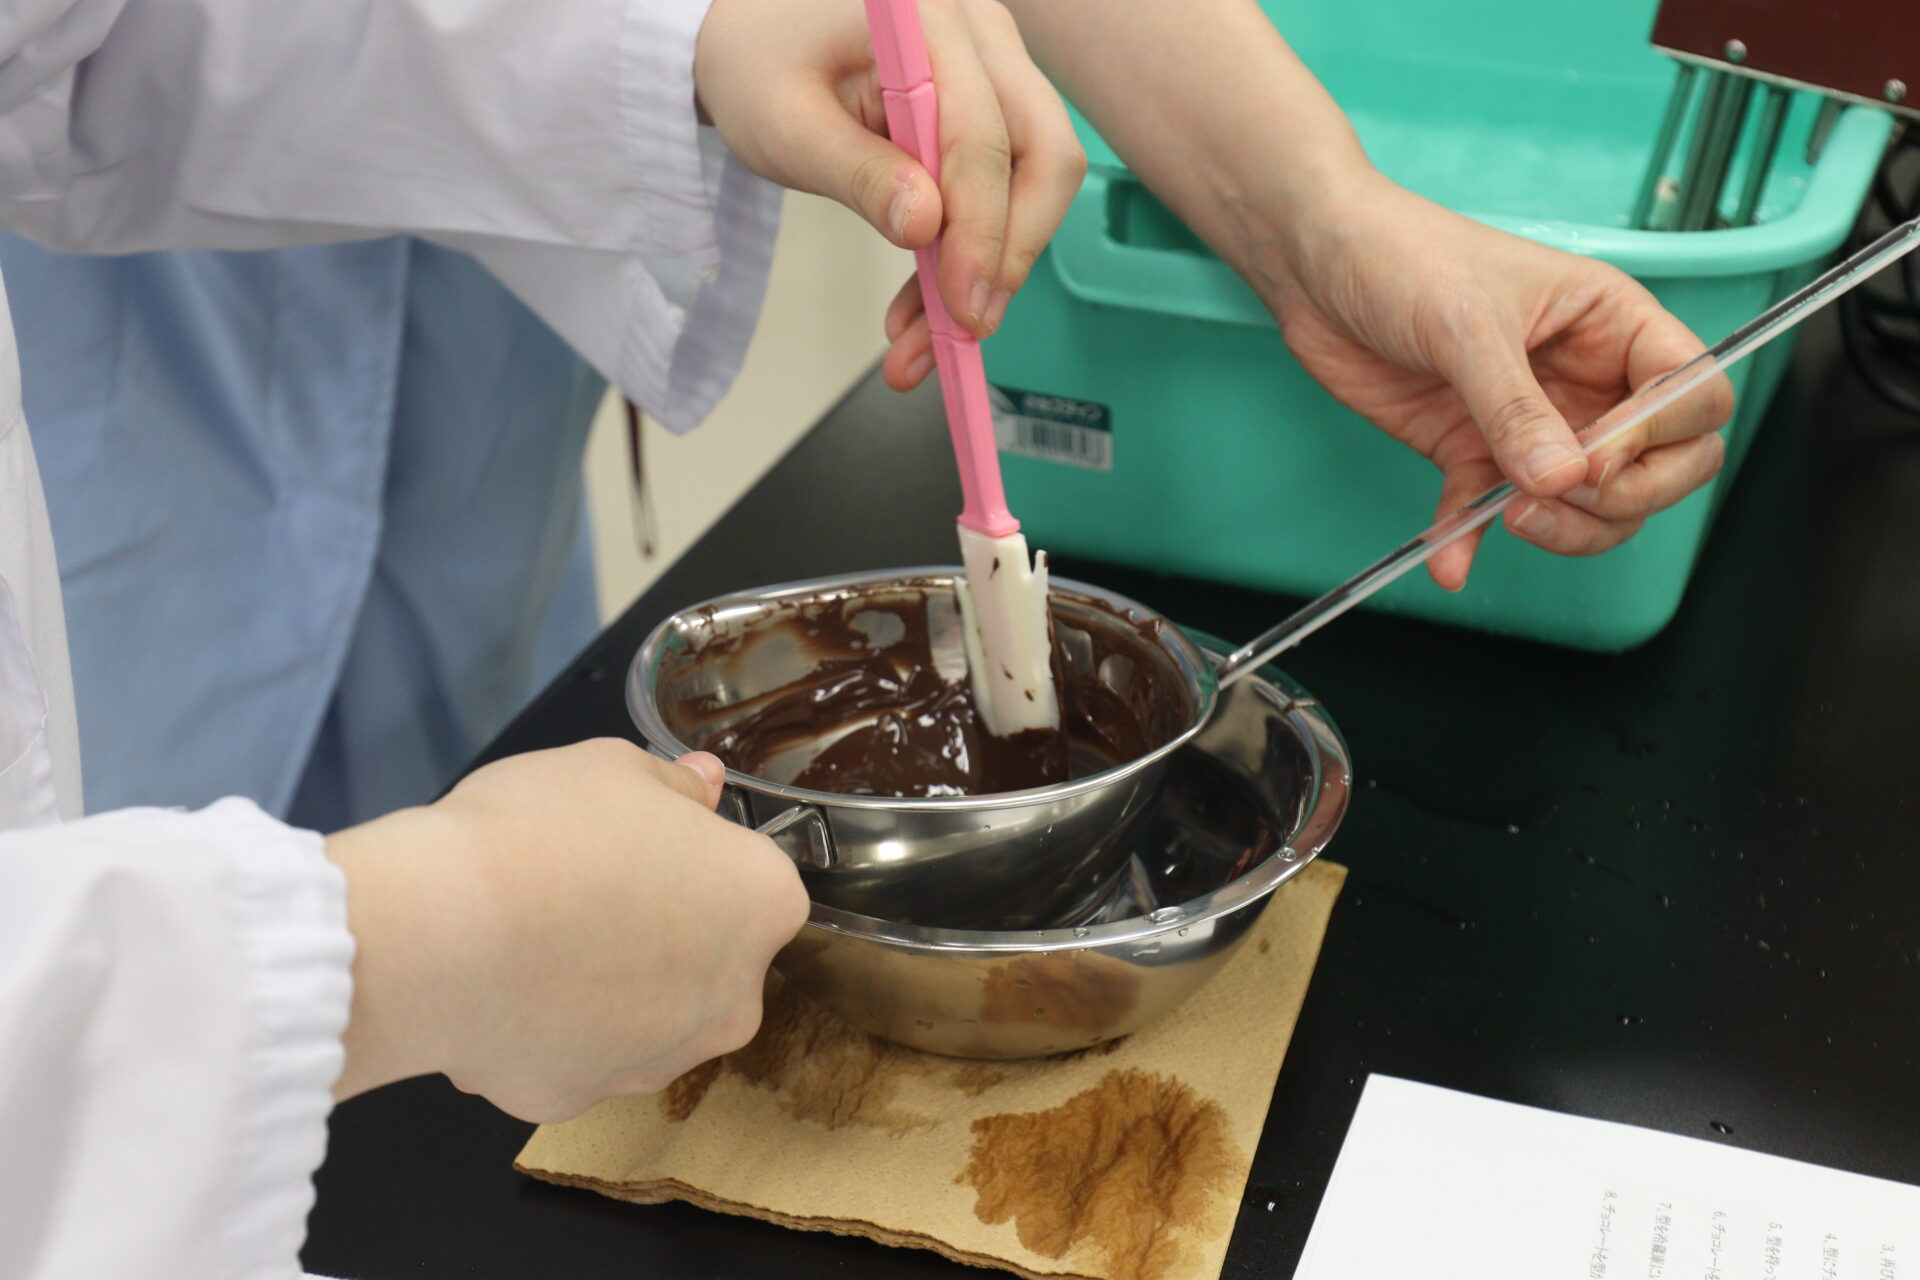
x=1868 y=50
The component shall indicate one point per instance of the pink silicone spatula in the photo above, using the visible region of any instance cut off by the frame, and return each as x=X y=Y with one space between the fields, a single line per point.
x=1004 y=598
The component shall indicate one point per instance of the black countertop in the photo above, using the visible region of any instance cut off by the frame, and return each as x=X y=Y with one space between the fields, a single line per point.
x=1677 y=887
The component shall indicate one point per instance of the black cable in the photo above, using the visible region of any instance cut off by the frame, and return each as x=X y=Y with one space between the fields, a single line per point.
x=1881 y=330
x=1893 y=308
x=1870 y=364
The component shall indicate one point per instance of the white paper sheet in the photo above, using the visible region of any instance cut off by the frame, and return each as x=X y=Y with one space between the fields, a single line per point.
x=1438 y=1185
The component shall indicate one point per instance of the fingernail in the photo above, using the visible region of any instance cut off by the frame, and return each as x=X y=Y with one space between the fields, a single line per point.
x=997 y=309
x=1550 y=460
x=922 y=366
x=901 y=210
x=1612 y=466
x=976 y=303
x=1536 y=522
x=1584 y=495
x=711 y=771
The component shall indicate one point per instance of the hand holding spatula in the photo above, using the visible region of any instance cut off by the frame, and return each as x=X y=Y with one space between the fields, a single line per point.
x=1009 y=643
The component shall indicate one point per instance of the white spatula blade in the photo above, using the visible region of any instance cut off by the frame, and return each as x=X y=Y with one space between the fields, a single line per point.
x=1003 y=602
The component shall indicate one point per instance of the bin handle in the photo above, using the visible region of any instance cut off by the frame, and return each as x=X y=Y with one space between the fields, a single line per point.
x=1097 y=266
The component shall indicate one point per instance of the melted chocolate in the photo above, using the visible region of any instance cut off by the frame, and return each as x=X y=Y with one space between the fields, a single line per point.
x=918 y=732
x=936 y=746
x=927 y=740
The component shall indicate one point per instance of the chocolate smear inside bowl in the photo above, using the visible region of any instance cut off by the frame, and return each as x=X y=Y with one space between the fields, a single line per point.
x=843 y=709
x=886 y=709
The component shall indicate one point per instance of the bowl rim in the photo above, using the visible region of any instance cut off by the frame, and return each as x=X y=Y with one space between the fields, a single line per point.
x=1196 y=660
x=1333 y=787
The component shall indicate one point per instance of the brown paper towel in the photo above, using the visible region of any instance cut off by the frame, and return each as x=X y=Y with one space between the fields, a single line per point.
x=1124 y=1162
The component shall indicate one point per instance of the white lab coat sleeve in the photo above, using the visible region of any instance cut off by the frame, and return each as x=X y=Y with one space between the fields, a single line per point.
x=558 y=142
x=173 y=989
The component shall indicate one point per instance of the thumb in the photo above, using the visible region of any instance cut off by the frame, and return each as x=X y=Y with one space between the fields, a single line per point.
x=831 y=154
x=697 y=775
x=1530 y=440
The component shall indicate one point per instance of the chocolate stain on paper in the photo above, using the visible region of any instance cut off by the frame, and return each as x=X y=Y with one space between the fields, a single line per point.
x=976 y=1078
x=684 y=1096
x=1134 y=1173
x=820 y=1069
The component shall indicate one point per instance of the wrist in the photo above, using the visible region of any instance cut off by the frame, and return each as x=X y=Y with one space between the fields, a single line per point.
x=412 y=917
x=1279 y=230
x=1209 y=107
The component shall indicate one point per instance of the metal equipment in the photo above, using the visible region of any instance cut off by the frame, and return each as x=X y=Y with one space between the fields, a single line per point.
x=1740 y=60
x=1249 y=803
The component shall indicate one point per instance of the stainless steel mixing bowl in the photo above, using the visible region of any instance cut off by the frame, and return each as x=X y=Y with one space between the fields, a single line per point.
x=1196 y=887
x=1017 y=859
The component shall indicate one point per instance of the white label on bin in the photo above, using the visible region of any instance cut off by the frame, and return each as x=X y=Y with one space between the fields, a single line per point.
x=1029 y=424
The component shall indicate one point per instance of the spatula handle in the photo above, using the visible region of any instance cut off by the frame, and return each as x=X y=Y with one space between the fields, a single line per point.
x=913 y=122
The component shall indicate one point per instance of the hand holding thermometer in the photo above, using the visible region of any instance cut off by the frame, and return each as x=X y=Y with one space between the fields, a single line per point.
x=1004 y=598
x=1610 y=426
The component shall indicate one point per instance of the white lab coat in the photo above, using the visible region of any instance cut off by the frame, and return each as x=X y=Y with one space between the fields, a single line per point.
x=173 y=985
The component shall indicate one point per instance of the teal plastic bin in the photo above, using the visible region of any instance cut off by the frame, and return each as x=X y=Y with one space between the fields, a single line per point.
x=1152 y=416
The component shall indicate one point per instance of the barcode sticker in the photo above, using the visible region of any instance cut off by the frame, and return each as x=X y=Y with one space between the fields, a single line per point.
x=1029 y=424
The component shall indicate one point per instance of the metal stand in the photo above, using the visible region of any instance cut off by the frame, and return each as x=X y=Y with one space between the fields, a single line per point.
x=1766 y=144
x=1713 y=141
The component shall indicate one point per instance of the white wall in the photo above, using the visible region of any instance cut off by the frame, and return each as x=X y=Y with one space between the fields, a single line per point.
x=832 y=279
